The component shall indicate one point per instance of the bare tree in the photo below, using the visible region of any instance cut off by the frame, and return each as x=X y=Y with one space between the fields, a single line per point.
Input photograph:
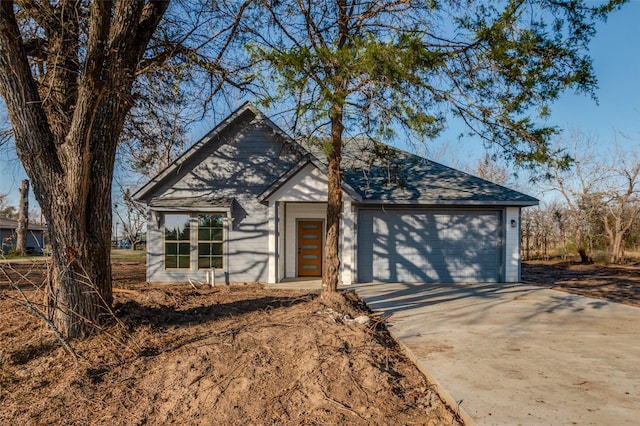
x=488 y=168
x=601 y=195
x=156 y=129
x=541 y=234
x=622 y=206
x=132 y=215
x=581 y=187
x=559 y=216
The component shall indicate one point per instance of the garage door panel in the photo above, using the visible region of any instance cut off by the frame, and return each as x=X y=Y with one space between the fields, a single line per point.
x=434 y=246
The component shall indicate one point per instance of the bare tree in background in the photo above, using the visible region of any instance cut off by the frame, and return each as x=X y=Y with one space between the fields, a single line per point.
x=132 y=215
x=156 y=129
x=622 y=202
x=541 y=232
x=6 y=210
x=489 y=169
x=23 y=219
x=581 y=188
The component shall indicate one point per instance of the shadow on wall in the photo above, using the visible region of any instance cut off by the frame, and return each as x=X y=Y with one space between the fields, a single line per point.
x=238 y=214
x=244 y=164
x=240 y=165
x=444 y=246
x=245 y=257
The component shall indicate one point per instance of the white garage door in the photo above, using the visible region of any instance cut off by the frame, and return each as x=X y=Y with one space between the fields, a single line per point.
x=429 y=246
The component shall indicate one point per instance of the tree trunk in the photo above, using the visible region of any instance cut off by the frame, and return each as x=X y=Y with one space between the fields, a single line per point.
x=79 y=295
x=617 y=252
x=584 y=257
x=334 y=205
x=23 y=219
x=80 y=292
x=67 y=140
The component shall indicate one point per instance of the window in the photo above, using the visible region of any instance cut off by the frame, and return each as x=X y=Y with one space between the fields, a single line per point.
x=177 y=241
x=210 y=238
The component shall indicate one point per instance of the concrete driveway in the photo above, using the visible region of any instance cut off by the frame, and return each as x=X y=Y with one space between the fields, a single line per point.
x=517 y=354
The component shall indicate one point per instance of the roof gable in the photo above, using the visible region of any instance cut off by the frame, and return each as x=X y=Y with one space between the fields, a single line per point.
x=245 y=114
x=306 y=181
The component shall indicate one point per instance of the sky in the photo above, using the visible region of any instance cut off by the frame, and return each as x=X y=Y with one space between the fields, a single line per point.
x=614 y=118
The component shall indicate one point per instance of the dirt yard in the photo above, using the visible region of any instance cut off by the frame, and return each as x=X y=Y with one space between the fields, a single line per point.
x=229 y=355
x=618 y=283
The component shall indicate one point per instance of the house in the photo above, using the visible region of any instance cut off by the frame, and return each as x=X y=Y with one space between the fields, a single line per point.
x=8 y=236
x=250 y=202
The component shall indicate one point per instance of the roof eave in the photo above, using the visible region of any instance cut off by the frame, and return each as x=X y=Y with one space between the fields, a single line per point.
x=442 y=202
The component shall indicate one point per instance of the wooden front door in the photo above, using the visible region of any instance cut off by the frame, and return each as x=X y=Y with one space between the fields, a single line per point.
x=310 y=248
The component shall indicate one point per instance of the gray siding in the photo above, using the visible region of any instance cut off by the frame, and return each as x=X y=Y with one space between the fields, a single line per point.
x=8 y=238
x=429 y=246
x=240 y=165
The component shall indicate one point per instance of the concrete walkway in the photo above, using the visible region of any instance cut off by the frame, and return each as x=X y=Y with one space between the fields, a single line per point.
x=519 y=355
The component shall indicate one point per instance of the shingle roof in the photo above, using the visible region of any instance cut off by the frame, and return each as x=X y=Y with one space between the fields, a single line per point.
x=380 y=172
x=375 y=171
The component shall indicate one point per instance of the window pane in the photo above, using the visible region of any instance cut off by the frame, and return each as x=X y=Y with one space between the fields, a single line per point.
x=210 y=221
x=177 y=247
x=170 y=248
x=171 y=262
x=216 y=234
x=210 y=237
x=176 y=227
x=186 y=233
x=204 y=263
x=204 y=249
x=183 y=262
x=204 y=234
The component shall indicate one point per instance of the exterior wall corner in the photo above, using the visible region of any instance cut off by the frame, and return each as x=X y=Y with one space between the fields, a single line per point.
x=272 y=250
x=512 y=245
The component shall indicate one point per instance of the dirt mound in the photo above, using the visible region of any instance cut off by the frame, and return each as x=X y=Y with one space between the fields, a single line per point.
x=228 y=355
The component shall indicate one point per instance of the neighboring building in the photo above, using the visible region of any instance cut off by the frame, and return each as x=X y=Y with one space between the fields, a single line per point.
x=8 y=236
x=250 y=202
